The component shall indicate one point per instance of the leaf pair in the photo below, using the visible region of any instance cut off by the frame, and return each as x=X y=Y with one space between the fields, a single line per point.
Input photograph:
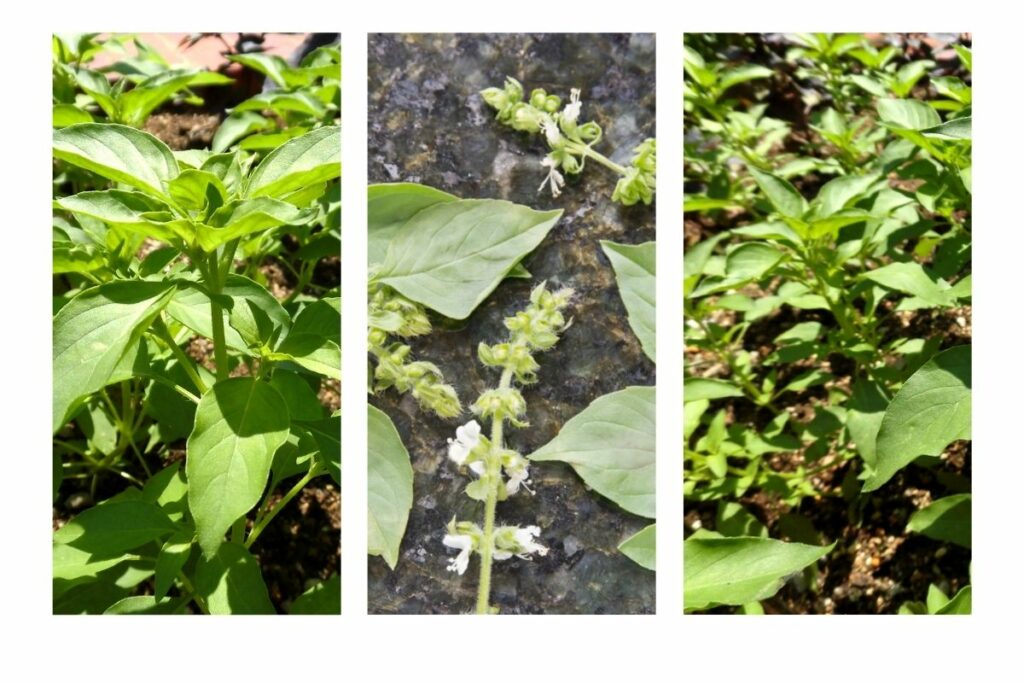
x=194 y=207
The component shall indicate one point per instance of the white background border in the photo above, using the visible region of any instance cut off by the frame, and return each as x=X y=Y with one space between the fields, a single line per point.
x=667 y=646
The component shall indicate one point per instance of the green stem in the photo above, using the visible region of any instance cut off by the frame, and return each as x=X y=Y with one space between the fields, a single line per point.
x=238 y=530
x=228 y=259
x=837 y=308
x=587 y=151
x=726 y=356
x=483 y=593
x=220 y=355
x=190 y=589
x=268 y=517
x=304 y=277
x=187 y=364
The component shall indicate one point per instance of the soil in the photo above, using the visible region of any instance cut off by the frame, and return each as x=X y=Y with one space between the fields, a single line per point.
x=184 y=129
x=877 y=565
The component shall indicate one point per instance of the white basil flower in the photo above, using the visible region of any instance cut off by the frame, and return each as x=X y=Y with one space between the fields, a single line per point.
x=524 y=537
x=466 y=439
x=554 y=178
x=518 y=472
x=572 y=110
x=551 y=131
x=510 y=540
x=464 y=544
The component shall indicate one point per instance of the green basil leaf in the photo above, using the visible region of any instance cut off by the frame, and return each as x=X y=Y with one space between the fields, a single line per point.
x=946 y=519
x=244 y=217
x=640 y=547
x=782 y=195
x=327 y=434
x=173 y=556
x=954 y=129
x=839 y=193
x=148 y=604
x=73 y=566
x=700 y=389
x=389 y=206
x=94 y=332
x=610 y=444
x=314 y=339
x=65 y=115
x=864 y=413
x=113 y=528
x=323 y=598
x=271 y=66
x=231 y=582
x=193 y=189
x=959 y=604
x=742 y=74
x=138 y=103
x=907 y=114
x=931 y=410
x=236 y=126
x=303 y=404
x=308 y=160
x=389 y=487
x=911 y=278
x=635 y=273
x=191 y=307
x=118 y=153
x=240 y=423
x=451 y=256
x=736 y=571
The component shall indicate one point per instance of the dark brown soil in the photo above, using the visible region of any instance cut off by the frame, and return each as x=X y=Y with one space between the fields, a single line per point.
x=301 y=544
x=183 y=130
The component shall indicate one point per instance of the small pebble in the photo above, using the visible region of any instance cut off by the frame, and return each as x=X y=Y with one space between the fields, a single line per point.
x=77 y=501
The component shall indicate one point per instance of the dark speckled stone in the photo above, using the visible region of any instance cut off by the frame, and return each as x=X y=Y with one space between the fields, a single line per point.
x=428 y=125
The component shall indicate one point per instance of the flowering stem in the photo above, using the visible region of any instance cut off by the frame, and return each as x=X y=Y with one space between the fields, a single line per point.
x=587 y=151
x=483 y=593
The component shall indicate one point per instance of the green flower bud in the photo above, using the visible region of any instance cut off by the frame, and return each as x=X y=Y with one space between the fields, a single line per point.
x=552 y=103
x=513 y=89
x=590 y=132
x=479 y=489
x=438 y=397
x=493 y=356
x=526 y=118
x=523 y=364
x=399 y=352
x=376 y=337
x=415 y=324
x=538 y=98
x=569 y=163
x=501 y=404
x=634 y=187
x=496 y=97
x=645 y=158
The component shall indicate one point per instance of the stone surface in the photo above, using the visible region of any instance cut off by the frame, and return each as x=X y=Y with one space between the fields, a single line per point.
x=428 y=124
